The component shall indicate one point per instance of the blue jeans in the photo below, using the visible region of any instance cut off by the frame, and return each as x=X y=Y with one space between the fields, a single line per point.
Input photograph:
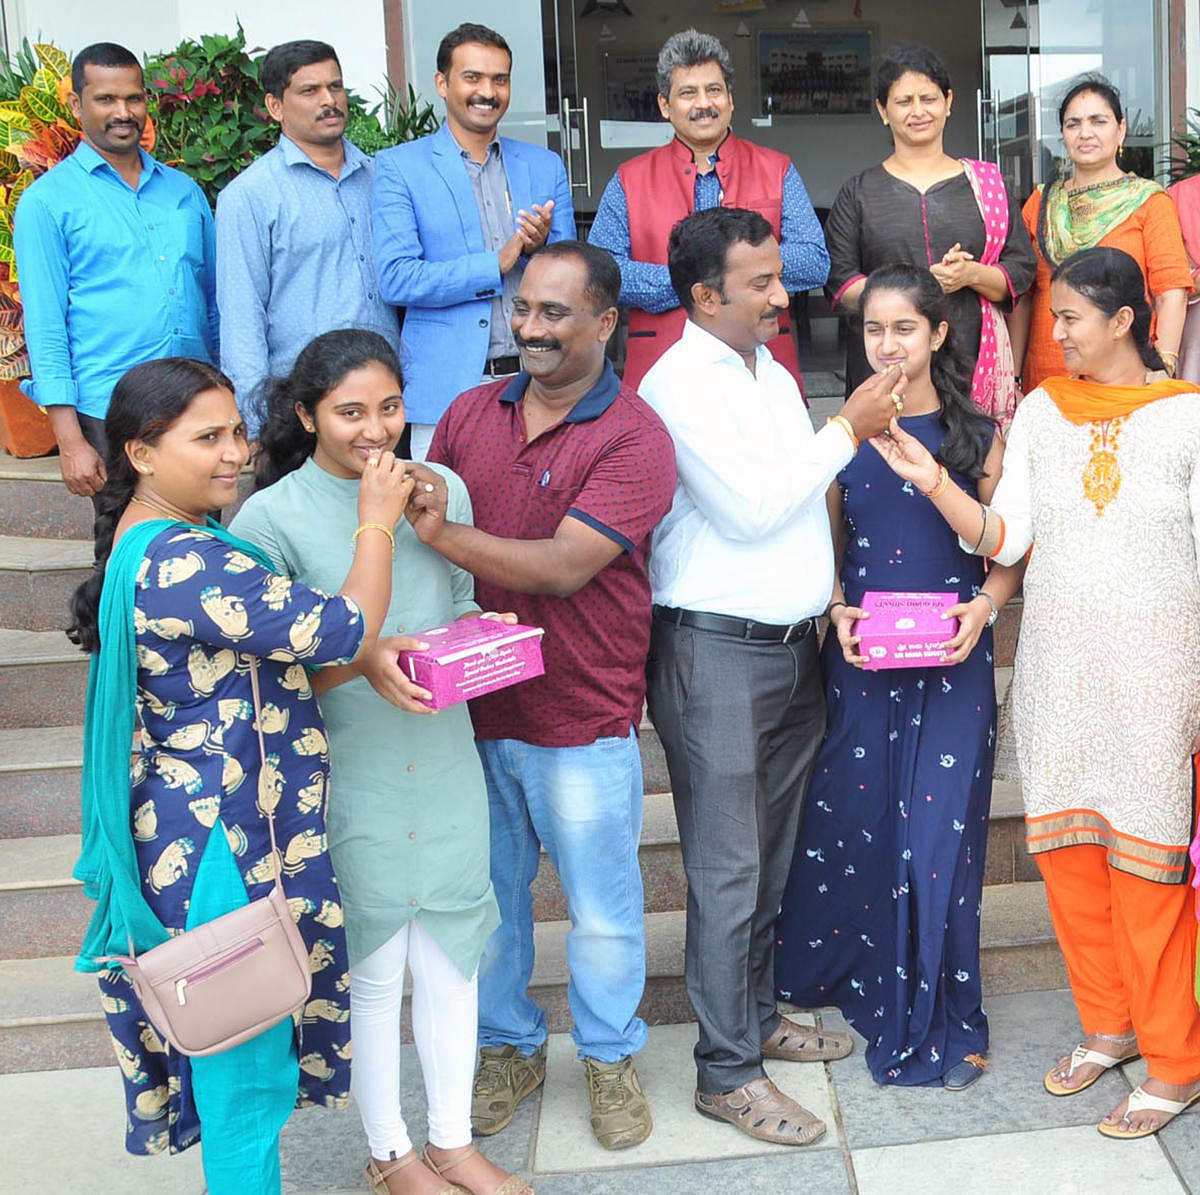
x=243 y=1096
x=584 y=805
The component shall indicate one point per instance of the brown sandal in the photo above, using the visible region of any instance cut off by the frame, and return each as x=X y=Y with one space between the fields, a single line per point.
x=513 y=1185
x=377 y=1178
x=805 y=1043
x=763 y=1112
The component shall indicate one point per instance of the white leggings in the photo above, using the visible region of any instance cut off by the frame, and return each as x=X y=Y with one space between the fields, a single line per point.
x=444 y=1016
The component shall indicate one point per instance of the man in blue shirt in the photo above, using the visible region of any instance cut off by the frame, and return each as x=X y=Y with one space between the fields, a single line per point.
x=115 y=255
x=456 y=214
x=294 y=256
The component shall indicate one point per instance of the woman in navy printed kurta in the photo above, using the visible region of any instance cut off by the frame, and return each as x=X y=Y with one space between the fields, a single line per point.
x=202 y=609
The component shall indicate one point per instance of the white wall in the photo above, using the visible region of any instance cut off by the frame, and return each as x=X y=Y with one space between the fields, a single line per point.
x=354 y=28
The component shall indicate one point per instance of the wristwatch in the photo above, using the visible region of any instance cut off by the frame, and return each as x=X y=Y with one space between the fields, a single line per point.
x=987 y=597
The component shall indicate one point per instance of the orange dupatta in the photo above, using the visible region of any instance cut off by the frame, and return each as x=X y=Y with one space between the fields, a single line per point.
x=1081 y=401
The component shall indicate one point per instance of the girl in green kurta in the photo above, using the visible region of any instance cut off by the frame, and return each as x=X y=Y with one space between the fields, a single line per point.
x=407 y=818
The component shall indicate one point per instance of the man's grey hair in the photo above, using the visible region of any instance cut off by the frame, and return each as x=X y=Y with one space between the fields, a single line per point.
x=687 y=48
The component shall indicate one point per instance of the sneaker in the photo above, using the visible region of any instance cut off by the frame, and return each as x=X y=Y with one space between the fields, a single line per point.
x=620 y=1115
x=503 y=1078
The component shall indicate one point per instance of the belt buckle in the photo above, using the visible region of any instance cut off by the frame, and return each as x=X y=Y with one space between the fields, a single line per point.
x=793 y=631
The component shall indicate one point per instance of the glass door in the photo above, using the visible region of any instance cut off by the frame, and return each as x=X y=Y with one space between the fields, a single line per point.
x=567 y=116
x=1034 y=49
x=1005 y=100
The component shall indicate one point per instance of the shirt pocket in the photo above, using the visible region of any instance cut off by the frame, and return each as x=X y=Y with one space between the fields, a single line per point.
x=545 y=508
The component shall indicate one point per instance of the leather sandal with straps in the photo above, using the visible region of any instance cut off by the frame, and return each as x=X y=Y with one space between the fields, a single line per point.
x=1080 y=1056
x=514 y=1184
x=763 y=1112
x=377 y=1175
x=806 y=1043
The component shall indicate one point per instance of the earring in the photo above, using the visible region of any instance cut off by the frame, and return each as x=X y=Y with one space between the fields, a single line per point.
x=308 y=427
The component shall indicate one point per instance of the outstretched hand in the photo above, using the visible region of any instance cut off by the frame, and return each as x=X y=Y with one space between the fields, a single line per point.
x=907 y=457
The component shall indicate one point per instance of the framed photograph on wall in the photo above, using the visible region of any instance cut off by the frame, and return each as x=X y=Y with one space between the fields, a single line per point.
x=815 y=72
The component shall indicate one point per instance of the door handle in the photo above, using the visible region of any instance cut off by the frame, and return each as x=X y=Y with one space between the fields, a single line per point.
x=587 y=150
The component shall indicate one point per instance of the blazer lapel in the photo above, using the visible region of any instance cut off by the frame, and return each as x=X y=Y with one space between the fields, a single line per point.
x=447 y=161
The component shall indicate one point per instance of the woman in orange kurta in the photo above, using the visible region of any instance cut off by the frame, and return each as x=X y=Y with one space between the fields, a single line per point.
x=1099 y=205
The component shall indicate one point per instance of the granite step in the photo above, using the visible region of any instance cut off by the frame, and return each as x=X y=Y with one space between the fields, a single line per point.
x=37 y=503
x=40 y=769
x=37 y=579
x=43 y=679
x=50 y=1017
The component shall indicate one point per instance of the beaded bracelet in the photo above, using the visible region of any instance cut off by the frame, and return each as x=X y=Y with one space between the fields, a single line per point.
x=373 y=527
x=940 y=488
x=846 y=426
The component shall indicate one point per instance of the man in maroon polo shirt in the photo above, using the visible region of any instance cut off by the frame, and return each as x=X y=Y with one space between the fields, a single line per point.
x=569 y=472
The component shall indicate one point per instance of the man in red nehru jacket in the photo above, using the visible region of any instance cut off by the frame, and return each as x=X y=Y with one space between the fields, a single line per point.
x=703 y=166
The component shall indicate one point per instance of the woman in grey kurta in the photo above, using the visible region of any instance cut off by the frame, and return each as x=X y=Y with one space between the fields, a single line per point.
x=407 y=816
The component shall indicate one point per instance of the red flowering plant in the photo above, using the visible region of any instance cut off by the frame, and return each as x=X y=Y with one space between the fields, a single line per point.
x=208 y=108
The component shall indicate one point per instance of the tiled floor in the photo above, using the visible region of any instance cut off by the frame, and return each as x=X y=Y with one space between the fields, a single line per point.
x=1003 y=1136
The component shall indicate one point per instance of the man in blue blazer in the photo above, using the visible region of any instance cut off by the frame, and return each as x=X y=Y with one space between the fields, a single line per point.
x=455 y=216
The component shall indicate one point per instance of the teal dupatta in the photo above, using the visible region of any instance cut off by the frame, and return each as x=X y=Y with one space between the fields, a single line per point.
x=108 y=864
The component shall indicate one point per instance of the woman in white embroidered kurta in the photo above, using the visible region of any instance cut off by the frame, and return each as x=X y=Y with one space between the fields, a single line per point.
x=1102 y=479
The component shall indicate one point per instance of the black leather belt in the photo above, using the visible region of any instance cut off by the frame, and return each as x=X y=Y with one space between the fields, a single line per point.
x=500 y=367
x=743 y=628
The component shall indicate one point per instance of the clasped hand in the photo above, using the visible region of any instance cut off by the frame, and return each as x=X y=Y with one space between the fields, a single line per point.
x=953 y=272
x=972 y=618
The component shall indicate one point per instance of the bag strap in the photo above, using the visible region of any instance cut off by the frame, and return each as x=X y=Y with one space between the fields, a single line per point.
x=276 y=861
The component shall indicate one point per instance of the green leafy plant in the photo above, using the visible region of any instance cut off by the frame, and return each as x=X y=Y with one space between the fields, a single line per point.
x=209 y=108
x=400 y=122
x=1186 y=146
x=18 y=73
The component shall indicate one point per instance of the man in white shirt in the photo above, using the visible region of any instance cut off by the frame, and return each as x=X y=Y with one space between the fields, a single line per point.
x=740 y=570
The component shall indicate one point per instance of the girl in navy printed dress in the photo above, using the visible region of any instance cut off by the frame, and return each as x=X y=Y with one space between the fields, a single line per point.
x=881 y=912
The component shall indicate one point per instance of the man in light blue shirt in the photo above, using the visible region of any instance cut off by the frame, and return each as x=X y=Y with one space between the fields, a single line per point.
x=294 y=253
x=115 y=255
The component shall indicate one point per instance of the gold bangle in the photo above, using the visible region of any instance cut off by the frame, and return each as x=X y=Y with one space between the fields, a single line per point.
x=846 y=426
x=373 y=527
x=940 y=488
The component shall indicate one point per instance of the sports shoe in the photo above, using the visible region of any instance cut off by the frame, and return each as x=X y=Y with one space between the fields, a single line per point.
x=503 y=1078
x=619 y=1113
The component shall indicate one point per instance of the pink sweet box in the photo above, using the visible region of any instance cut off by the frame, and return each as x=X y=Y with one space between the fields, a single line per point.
x=473 y=656
x=905 y=629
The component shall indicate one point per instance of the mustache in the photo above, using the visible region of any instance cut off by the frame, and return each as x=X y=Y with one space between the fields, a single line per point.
x=705 y=114
x=774 y=312
x=547 y=342
x=120 y=124
x=484 y=99
x=331 y=111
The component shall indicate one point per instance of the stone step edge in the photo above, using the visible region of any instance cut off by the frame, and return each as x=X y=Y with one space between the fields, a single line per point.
x=664 y=950
x=22 y=649
x=33 y=554
x=12 y=742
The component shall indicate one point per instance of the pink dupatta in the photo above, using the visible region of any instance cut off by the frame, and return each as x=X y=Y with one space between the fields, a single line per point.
x=994 y=387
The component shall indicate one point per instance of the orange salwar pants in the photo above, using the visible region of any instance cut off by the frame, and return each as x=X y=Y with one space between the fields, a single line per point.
x=1130 y=948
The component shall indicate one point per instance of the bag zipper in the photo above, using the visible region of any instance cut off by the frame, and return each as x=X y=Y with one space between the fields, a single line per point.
x=212 y=969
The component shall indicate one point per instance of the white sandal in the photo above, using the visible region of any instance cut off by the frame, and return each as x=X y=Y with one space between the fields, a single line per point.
x=1141 y=1100
x=1079 y=1057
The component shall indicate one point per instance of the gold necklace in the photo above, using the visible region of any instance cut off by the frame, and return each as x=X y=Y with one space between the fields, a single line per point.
x=1102 y=474
x=166 y=512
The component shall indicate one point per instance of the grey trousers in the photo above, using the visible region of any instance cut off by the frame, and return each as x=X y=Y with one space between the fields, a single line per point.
x=741 y=722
